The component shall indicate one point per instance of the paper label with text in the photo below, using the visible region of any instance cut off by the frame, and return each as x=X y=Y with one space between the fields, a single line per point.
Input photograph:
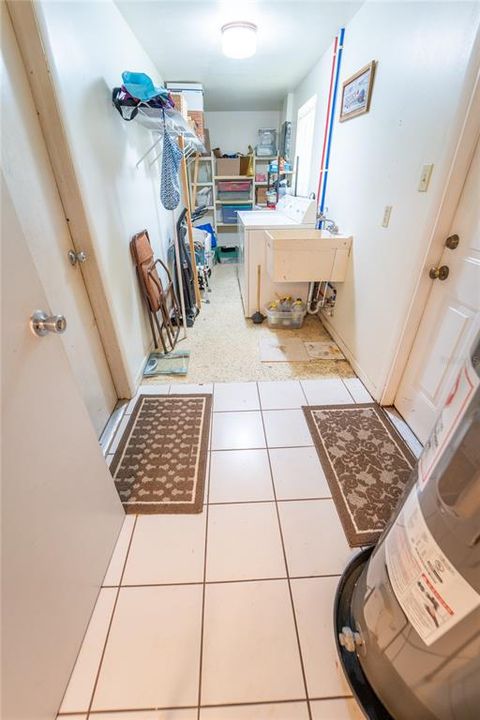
x=432 y=593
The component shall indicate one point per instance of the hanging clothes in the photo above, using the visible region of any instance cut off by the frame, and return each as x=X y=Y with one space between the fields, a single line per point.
x=169 y=182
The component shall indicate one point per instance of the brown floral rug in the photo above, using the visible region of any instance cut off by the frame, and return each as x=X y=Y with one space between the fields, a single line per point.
x=366 y=462
x=161 y=462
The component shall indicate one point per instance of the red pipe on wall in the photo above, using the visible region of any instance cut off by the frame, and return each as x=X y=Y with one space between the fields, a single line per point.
x=327 y=117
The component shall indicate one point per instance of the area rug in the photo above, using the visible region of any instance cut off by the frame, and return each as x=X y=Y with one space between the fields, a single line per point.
x=161 y=461
x=366 y=462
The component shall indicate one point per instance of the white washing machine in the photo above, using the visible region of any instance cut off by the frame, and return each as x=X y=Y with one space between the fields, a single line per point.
x=290 y=210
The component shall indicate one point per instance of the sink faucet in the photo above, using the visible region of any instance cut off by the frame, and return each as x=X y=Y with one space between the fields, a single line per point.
x=329 y=224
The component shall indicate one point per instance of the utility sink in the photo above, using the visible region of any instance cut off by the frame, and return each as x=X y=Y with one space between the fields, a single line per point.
x=306 y=255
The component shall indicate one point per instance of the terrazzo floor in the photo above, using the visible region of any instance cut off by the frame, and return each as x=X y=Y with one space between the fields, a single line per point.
x=224 y=345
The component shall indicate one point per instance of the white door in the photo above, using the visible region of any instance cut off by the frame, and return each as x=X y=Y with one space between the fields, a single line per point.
x=60 y=512
x=31 y=182
x=451 y=318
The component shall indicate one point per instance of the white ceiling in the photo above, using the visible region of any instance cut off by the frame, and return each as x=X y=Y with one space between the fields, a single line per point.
x=183 y=39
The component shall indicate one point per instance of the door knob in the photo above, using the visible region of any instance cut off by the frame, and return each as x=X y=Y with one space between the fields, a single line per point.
x=452 y=242
x=77 y=257
x=439 y=273
x=41 y=323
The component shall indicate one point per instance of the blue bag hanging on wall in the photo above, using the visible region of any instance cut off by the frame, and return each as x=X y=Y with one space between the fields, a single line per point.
x=169 y=184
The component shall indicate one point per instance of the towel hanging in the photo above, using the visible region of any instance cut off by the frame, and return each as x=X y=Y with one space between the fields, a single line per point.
x=169 y=184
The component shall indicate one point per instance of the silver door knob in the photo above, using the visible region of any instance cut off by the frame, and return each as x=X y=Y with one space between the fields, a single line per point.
x=41 y=323
x=77 y=257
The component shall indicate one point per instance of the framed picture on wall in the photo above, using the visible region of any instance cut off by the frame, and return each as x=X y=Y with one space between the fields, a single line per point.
x=357 y=92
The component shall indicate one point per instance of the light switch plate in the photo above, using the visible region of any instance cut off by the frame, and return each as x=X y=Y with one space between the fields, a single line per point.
x=386 y=215
x=425 y=178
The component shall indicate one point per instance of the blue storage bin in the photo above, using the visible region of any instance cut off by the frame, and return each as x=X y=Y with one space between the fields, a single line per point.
x=229 y=212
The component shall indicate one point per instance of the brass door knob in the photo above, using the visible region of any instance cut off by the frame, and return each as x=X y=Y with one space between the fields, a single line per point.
x=439 y=273
x=452 y=242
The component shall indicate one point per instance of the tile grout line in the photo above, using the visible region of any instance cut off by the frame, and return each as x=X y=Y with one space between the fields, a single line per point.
x=349 y=392
x=227 y=582
x=272 y=447
x=304 y=393
x=280 y=500
x=251 y=703
x=204 y=587
x=257 y=410
x=302 y=664
x=97 y=676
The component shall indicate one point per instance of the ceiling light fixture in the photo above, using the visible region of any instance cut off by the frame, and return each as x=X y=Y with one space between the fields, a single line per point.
x=239 y=40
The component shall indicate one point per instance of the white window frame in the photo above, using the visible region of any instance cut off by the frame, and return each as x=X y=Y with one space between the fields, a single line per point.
x=304 y=144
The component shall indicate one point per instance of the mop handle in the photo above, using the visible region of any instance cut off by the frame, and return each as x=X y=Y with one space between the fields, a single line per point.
x=258 y=286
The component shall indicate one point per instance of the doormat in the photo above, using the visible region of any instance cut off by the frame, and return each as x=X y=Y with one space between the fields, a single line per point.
x=324 y=350
x=283 y=350
x=366 y=462
x=161 y=462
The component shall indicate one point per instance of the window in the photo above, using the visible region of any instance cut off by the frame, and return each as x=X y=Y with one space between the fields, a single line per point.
x=304 y=143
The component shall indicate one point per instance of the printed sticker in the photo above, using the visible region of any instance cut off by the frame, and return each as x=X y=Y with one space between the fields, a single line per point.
x=432 y=593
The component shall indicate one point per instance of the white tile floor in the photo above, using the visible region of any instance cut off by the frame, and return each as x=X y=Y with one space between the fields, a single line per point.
x=227 y=615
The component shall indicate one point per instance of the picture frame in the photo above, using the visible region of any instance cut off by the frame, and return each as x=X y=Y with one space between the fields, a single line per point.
x=357 y=92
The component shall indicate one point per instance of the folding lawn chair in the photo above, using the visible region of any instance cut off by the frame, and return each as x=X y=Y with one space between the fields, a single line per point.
x=161 y=302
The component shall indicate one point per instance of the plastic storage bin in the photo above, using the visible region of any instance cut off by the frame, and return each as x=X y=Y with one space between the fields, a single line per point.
x=234 y=197
x=229 y=212
x=292 y=319
x=233 y=186
x=227 y=254
x=267 y=142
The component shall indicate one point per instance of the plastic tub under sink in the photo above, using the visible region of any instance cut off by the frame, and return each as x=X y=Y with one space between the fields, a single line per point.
x=287 y=319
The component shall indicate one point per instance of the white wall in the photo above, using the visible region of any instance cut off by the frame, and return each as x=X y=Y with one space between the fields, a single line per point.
x=234 y=131
x=89 y=44
x=423 y=82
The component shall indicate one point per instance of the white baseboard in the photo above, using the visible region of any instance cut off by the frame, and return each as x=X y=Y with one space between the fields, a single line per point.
x=372 y=389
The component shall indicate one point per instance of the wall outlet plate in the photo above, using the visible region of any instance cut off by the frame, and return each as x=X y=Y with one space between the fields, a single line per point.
x=386 y=215
x=425 y=176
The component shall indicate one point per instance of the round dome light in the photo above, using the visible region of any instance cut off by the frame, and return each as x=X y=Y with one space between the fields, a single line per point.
x=239 y=40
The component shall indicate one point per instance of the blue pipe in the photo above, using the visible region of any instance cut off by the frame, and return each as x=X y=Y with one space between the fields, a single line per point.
x=332 y=117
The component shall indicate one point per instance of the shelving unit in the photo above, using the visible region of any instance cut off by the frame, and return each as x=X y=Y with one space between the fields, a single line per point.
x=261 y=166
x=275 y=177
x=229 y=230
x=207 y=178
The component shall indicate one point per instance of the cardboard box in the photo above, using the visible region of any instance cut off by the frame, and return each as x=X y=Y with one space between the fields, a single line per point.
x=261 y=195
x=193 y=93
x=199 y=119
x=228 y=166
x=232 y=166
x=206 y=142
x=181 y=104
